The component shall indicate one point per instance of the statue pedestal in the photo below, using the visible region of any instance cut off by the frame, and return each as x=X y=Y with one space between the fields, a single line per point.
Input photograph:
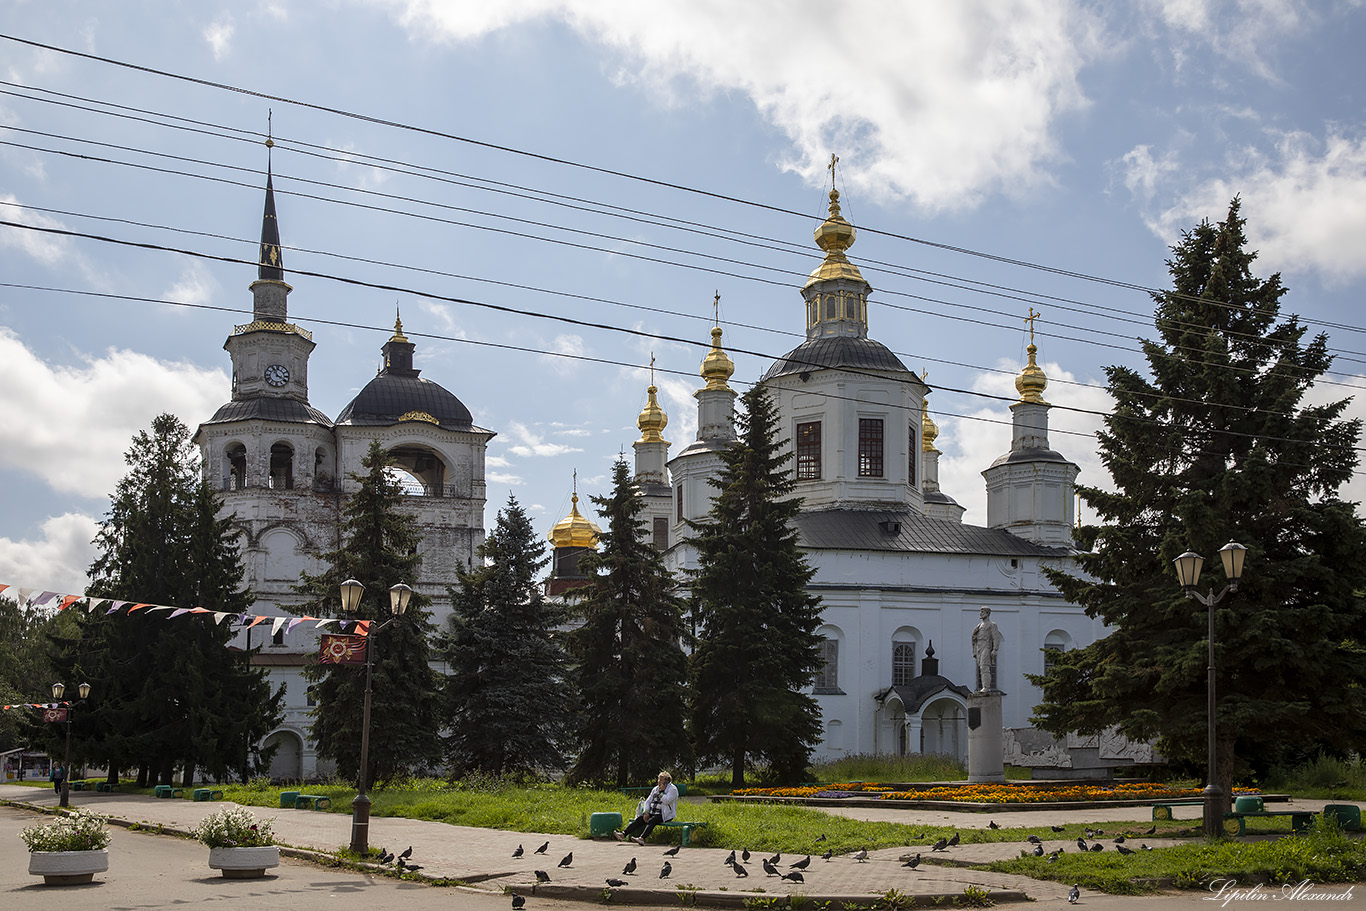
x=986 y=762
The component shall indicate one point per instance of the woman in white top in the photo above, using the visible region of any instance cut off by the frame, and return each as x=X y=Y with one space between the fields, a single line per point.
x=660 y=806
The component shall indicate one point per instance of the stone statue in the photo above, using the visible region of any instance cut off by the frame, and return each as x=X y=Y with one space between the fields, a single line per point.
x=986 y=642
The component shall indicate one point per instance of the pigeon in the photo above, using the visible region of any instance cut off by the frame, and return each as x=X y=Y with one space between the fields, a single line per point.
x=1098 y=847
x=1124 y=849
x=953 y=842
x=1038 y=850
x=769 y=868
x=820 y=837
x=1081 y=843
x=629 y=868
x=795 y=876
x=616 y=883
x=776 y=859
x=1073 y=894
x=912 y=863
x=801 y=864
x=518 y=902
x=568 y=860
x=1144 y=848
x=992 y=825
x=518 y=853
x=406 y=854
x=1034 y=840
x=862 y=855
x=1090 y=833
x=1151 y=831
x=543 y=848
x=1052 y=858
x=745 y=855
x=940 y=845
x=1056 y=828
x=672 y=851
x=827 y=855
x=739 y=870
x=730 y=858
x=1119 y=839
x=665 y=870
x=411 y=868
x=542 y=876
x=385 y=857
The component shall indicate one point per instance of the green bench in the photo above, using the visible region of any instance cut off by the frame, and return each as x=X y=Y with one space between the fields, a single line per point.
x=312 y=802
x=686 y=828
x=1235 y=823
x=203 y=794
x=287 y=798
x=1163 y=811
x=165 y=790
x=78 y=785
x=106 y=786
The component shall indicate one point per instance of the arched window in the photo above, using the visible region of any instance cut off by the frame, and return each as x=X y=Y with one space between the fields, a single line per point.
x=237 y=467
x=1054 y=644
x=903 y=663
x=827 y=678
x=282 y=466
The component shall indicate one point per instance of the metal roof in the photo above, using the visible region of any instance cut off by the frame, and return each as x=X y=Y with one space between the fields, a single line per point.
x=388 y=397
x=269 y=408
x=835 y=352
x=905 y=531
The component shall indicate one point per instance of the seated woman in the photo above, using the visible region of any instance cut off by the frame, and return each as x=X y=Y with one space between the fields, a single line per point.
x=660 y=806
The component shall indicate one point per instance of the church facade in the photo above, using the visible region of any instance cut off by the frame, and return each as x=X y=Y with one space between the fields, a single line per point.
x=901 y=578
x=283 y=469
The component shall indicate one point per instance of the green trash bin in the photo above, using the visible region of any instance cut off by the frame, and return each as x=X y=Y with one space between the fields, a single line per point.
x=602 y=825
x=287 y=798
x=1348 y=815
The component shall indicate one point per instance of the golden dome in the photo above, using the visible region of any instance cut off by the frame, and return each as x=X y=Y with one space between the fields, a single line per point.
x=652 y=420
x=717 y=367
x=398 y=328
x=929 y=430
x=574 y=530
x=1031 y=382
x=834 y=236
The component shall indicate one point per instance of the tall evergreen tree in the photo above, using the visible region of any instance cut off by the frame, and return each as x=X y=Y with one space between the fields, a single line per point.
x=165 y=692
x=1219 y=445
x=757 y=648
x=378 y=550
x=25 y=671
x=510 y=704
x=631 y=668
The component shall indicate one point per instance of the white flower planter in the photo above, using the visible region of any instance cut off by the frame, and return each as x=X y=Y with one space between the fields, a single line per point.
x=244 y=863
x=68 y=868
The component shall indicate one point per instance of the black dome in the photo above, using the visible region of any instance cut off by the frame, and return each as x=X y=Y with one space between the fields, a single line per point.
x=388 y=397
x=836 y=352
x=287 y=411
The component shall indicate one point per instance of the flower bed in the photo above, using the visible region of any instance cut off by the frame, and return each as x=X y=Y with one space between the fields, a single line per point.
x=991 y=793
x=77 y=830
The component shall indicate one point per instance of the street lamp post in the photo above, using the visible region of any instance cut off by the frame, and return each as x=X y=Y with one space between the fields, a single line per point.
x=360 y=807
x=1188 y=571
x=58 y=691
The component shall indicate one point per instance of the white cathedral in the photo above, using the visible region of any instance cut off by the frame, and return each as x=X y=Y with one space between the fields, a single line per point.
x=901 y=578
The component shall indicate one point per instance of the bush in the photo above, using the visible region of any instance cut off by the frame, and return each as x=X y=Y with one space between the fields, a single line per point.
x=234 y=827
x=78 y=830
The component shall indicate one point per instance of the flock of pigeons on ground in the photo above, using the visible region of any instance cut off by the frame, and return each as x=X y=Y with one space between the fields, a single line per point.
x=796 y=870
x=386 y=857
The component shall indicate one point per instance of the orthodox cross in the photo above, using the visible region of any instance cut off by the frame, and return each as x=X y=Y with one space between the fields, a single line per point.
x=1030 y=319
x=652 y=368
x=716 y=309
x=834 y=160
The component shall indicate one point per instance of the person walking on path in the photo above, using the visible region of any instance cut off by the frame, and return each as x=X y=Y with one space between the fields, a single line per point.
x=58 y=776
x=660 y=806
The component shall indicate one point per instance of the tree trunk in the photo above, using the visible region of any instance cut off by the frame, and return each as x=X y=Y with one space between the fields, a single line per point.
x=737 y=769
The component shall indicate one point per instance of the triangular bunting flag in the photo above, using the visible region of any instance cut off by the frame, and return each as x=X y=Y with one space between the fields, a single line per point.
x=137 y=607
x=293 y=623
x=220 y=616
x=24 y=594
x=256 y=621
x=278 y=625
x=362 y=627
x=94 y=604
x=176 y=612
x=43 y=598
x=67 y=601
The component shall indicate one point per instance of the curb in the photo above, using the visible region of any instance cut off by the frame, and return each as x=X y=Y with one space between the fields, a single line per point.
x=688 y=898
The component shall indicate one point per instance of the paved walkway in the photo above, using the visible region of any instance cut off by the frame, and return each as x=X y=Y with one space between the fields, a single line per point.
x=484 y=856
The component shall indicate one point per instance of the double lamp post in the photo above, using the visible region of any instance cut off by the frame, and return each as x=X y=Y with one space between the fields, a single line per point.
x=1188 y=571
x=399 y=596
x=58 y=691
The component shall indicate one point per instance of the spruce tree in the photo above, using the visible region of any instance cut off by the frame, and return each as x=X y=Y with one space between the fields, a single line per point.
x=757 y=648
x=378 y=550
x=25 y=671
x=165 y=691
x=509 y=701
x=1215 y=445
x=631 y=668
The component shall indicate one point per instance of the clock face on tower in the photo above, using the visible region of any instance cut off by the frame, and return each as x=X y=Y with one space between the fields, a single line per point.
x=277 y=375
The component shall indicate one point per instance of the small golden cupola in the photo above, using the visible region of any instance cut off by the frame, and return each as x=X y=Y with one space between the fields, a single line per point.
x=717 y=367
x=929 y=430
x=834 y=236
x=1032 y=382
x=652 y=420
x=574 y=530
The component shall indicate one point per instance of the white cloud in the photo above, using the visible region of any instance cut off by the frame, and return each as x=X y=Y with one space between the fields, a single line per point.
x=970 y=444
x=1305 y=204
x=48 y=249
x=529 y=443
x=1245 y=31
x=565 y=344
x=196 y=286
x=1355 y=489
x=498 y=477
x=219 y=36
x=70 y=425
x=57 y=561
x=940 y=104
x=1143 y=173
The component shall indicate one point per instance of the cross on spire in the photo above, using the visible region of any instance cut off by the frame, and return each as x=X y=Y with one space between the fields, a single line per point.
x=716 y=309
x=652 y=368
x=1030 y=319
x=834 y=160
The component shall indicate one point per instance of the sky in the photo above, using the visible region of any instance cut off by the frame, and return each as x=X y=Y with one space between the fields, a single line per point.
x=553 y=193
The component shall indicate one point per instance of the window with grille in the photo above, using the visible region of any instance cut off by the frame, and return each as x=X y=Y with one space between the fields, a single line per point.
x=903 y=663
x=809 y=451
x=870 y=447
x=911 y=450
x=680 y=501
x=661 y=530
x=827 y=678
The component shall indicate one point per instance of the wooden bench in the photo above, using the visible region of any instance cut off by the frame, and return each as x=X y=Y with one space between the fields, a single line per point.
x=1300 y=820
x=165 y=790
x=312 y=802
x=202 y=794
x=686 y=828
x=1163 y=811
x=106 y=786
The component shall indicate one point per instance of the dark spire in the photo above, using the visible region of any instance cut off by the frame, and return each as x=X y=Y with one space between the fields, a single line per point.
x=271 y=261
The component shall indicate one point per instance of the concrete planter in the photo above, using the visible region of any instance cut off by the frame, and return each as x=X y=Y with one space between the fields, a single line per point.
x=68 y=868
x=244 y=863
